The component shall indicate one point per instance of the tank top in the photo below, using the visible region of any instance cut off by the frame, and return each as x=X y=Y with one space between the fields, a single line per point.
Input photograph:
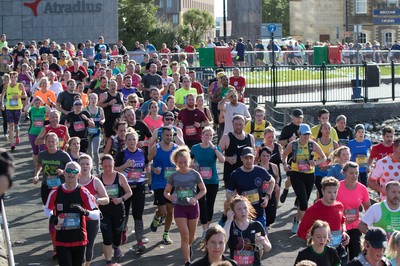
x=13 y=104
x=114 y=111
x=323 y=169
x=302 y=160
x=390 y=220
x=117 y=145
x=90 y=186
x=159 y=133
x=275 y=156
x=162 y=160
x=37 y=116
x=235 y=149
x=135 y=174
x=94 y=131
x=113 y=191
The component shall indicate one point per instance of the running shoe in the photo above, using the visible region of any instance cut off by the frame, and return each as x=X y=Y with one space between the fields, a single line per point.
x=166 y=239
x=191 y=252
x=162 y=220
x=140 y=247
x=203 y=236
x=295 y=226
x=284 y=195
x=145 y=240
x=17 y=140
x=155 y=224
x=6 y=137
x=12 y=147
x=117 y=254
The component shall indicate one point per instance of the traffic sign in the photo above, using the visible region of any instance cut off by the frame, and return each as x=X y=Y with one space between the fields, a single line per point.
x=272 y=28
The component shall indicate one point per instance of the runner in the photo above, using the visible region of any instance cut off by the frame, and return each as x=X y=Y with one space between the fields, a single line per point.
x=52 y=161
x=186 y=182
x=345 y=134
x=201 y=107
x=96 y=188
x=131 y=162
x=247 y=240
x=153 y=120
x=302 y=169
x=162 y=168
x=323 y=116
x=352 y=194
x=67 y=207
x=339 y=158
x=205 y=157
x=60 y=130
x=74 y=145
x=382 y=149
x=112 y=223
x=393 y=249
x=66 y=99
x=12 y=98
x=37 y=115
x=116 y=143
x=168 y=119
x=6 y=80
x=257 y=127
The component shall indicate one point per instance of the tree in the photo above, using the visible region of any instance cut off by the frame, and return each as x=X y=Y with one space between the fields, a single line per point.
x=136 y=18
x=197 y=23
x=277 y=11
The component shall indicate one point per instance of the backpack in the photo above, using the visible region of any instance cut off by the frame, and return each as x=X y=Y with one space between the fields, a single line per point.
x=295 y=147
x=252 y=125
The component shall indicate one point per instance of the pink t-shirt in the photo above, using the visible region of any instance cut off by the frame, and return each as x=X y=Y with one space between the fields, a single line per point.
x=153 y=124
x=351 y=200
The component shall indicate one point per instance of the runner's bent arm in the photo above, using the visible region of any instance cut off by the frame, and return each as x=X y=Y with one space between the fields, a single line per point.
x=102 y=197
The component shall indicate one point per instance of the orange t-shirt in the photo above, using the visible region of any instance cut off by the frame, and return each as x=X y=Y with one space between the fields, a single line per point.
x=45 y=96
x=85 y=99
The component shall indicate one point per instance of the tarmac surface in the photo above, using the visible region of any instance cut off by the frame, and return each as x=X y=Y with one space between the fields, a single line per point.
x=31 y=240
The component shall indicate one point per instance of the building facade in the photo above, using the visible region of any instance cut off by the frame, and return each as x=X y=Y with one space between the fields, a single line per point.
x=246 y=18
x=321 y=20
x=61 y=20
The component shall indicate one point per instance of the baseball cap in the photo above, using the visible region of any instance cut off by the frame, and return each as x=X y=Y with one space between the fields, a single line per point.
x=297 y=113
x=247 y=151
x=78 y=101
x=168 y=114
x=304 y=129
x=376 y=236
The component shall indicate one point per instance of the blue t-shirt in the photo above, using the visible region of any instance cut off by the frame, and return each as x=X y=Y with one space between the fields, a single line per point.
x=206 y=158
x=359 y=152
x=125 y=92
x=145 y=107
x=336 y=171
x=162 y=159
x=240 y=48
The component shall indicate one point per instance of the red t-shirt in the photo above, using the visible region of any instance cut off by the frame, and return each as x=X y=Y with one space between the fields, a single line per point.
x=189 y=49
x=198 y=87
x=333 y=215
x=239 y=83
x=61 y=132
x=379 y=151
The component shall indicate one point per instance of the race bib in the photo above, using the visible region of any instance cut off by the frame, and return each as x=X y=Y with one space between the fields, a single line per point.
x=19 y=58
x=93 y=130
x=90 y=57
x=336 y=238
x=5 y=61
x=206 y=172
x=60 y=142
x=361 y=160
x=13 y=102
x=168 y=171
x=258 y=141
x=53 y=181
x=303 y=166
x=112 y=190
x=190 y=131
x=38 y=123
x=79 y=126
x=252 y=196
x=134 y=174
x=70 y=221
x=184 y=193
x=351 y=215
x=325 y=165
x=244 y=257
x=116 y=108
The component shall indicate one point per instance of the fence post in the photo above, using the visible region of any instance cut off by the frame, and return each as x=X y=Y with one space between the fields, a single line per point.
x=268 y=112
x=253 y=103
x=274 y=89
x=323 y=68
x=285 y=117
x=393 y=91
x=365 y=82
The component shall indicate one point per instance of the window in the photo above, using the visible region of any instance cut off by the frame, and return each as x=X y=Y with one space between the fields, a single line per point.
x=393 y=2
x=169 y=3
x=175 y=19
x=161 y=3
x=362 y=37
x=387 y=37
x=361 y=6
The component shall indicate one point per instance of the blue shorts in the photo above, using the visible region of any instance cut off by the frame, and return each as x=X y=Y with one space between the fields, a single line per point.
x=13 y=116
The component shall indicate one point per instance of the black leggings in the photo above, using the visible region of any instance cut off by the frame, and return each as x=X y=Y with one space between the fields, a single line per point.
x=302 y=184
x=362 y=178
x=354 y=246
x=270 y=210
x=92 y=228
x=207 y=203
x=70 y=256
x=111 y=228
x=137 y=202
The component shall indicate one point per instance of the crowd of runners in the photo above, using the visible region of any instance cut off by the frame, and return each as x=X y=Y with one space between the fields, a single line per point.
x=107 y=131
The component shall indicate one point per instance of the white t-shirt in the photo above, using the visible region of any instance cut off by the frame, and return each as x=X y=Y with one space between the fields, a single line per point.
x=231 y=111
x=56 y=88
x=374 y=213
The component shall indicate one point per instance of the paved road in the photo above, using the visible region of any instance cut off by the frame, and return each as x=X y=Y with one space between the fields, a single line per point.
x=29 y=227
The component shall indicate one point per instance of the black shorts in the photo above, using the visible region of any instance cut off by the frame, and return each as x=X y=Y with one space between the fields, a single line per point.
x=159 y=198
x=240 y=58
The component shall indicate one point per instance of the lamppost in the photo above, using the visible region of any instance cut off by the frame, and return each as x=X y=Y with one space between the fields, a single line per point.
x=224 y=19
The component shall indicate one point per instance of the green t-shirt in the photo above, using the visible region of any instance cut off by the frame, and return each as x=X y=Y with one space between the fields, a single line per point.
x=37 y=115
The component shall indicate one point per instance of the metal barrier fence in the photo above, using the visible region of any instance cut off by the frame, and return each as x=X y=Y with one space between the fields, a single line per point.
x=308 y=84
x=262 y=58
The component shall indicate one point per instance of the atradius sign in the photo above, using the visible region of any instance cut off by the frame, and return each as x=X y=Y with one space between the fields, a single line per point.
x=54 y=7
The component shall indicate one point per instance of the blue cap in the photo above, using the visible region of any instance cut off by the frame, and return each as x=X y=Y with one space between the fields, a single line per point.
x=304 y=129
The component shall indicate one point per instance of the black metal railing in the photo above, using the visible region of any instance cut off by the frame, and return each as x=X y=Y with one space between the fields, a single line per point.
x=312 y=84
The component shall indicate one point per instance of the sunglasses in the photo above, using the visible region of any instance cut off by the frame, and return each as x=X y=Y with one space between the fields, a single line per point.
x=133 y=101
x=77 y=104
x=169 y=119
x=69 y=170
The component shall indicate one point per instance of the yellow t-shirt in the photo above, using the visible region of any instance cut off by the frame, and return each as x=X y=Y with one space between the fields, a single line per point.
x=258 y=132
x=13 y=104
x=302 y=158
x=315 y=129
x=180 y=95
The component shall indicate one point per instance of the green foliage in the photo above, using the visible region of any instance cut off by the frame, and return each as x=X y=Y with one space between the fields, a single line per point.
x=163 y=32
x=277 y=11
x=196 y=23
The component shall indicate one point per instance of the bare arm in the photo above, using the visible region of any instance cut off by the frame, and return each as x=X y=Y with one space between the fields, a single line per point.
x=102 y=197
x=363 y=227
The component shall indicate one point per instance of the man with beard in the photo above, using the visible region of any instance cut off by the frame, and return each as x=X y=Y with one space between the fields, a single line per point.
x=191 y=120
x=151 y=79
x=382 y=149
x=234 y=107
x=66 y=99
x=385 y=214
x=182 y=93
x=168 y=120
x=154 y=96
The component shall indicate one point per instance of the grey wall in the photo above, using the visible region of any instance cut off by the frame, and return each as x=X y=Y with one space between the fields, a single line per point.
x=58 y=20
x=246 y=19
